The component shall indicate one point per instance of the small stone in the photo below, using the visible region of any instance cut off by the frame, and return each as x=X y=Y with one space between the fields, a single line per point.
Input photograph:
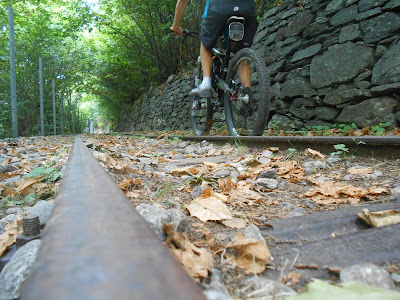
x=396 y=277
x=43 y=210
x=323 y=178
x=170 y=168
x=266 y=183
x=7 y=219
x=253 y=232
x=215 y=295
x=222 y=174
x=198 y=190
x=308 y=203
x=182 y=145
x=267 y=153
x=191 y=149
x=262 y=288
x=349 y=177
x=17 y=270
x=312 y=167
x=272 y=174
x=333 y=159
x=7 y=168
x=217 y=283
x=179 y=220
x=264 y=160
x=368 y=274
x=178 y=156
x=17 y=209
x=297 y=212
x=286 y=205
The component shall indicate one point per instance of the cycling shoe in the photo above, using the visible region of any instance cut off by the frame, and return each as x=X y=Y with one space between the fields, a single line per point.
x=201 y=92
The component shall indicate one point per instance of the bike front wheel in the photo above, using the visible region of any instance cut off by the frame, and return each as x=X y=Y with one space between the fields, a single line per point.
x=201 y=115
x=247 y=104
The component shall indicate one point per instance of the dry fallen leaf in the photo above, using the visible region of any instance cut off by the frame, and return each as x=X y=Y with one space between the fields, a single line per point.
x=197 y=261
x=235 y=223
x=124 y=184
x=209 y=208
x=315 y=153
x=226 y=184
x=330 y=192
x=380 y=218
x=9 y=236
x=252 y=254
x=293 y=277
x=23 y=187
x=187 y=171
x=132 y=194
x=244 y=192
x=361 y=171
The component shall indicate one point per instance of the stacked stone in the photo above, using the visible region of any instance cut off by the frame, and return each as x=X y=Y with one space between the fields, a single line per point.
x=332 y=62
x=329 y=62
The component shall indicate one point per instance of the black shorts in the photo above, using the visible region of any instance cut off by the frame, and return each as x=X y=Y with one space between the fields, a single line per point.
x=216 y=17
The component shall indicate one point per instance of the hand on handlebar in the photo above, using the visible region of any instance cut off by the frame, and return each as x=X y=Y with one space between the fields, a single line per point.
x=176 y=30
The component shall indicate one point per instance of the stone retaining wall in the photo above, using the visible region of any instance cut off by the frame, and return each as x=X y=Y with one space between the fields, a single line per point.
x=329 y=62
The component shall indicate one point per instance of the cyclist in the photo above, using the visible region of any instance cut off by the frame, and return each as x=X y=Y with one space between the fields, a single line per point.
x=215 y=18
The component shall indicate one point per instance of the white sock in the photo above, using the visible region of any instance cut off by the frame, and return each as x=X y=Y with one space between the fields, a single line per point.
x=206 y=82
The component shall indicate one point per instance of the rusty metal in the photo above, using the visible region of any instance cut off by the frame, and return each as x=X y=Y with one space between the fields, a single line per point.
x=95 y=245
x=318 y=226
x=334 y=240
x=331 y=140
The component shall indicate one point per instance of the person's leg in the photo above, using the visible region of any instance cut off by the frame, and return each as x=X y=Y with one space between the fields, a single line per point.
x=204 y=88
x=245 y=74
x=206 y=61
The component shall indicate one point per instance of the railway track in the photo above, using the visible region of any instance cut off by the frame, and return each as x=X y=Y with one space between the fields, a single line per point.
x=96 y=246
x=387 y=146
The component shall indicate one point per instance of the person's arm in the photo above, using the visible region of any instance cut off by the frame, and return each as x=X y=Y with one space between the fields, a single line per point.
x=179 y=11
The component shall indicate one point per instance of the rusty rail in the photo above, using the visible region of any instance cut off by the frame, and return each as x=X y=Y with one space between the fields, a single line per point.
x=95 y=245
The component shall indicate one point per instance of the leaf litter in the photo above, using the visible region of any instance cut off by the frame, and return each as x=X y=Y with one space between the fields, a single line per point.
x=228 y=205
x=37 y=165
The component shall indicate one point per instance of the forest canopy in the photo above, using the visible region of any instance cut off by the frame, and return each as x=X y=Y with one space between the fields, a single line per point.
x=102 y=55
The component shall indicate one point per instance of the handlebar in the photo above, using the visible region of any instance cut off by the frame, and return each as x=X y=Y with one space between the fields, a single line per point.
x=187 y=32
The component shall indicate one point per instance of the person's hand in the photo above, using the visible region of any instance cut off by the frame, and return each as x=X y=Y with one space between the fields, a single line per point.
x=177 y=30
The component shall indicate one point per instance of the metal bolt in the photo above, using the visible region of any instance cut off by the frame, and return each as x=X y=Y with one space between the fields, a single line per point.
x=31 y=225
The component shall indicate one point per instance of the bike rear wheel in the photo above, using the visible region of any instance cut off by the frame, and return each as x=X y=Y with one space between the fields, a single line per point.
x=247 y=109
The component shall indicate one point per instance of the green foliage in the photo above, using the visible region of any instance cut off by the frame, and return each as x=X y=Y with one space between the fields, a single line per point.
x=345 y=128
x=46 y=173
x=381 y=128
x=319 y=289
x=341 y=149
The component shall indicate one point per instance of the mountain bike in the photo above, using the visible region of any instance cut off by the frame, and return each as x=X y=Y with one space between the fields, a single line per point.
x=246 y=109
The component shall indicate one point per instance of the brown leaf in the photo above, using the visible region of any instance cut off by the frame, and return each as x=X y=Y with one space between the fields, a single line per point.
x=9 y=236
x=124 y=184
x=251 y=254
x=132 y=194
x=251 y=246
x=315 y=153
x=235 y=223
x=26 y=184
x=361 y=171
x=188 y=171
x=380 y=218
x=330 y=192
x=210 y=208
x=226 y=184
x=244 y=192
x=197 y=261
x=293 y=277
